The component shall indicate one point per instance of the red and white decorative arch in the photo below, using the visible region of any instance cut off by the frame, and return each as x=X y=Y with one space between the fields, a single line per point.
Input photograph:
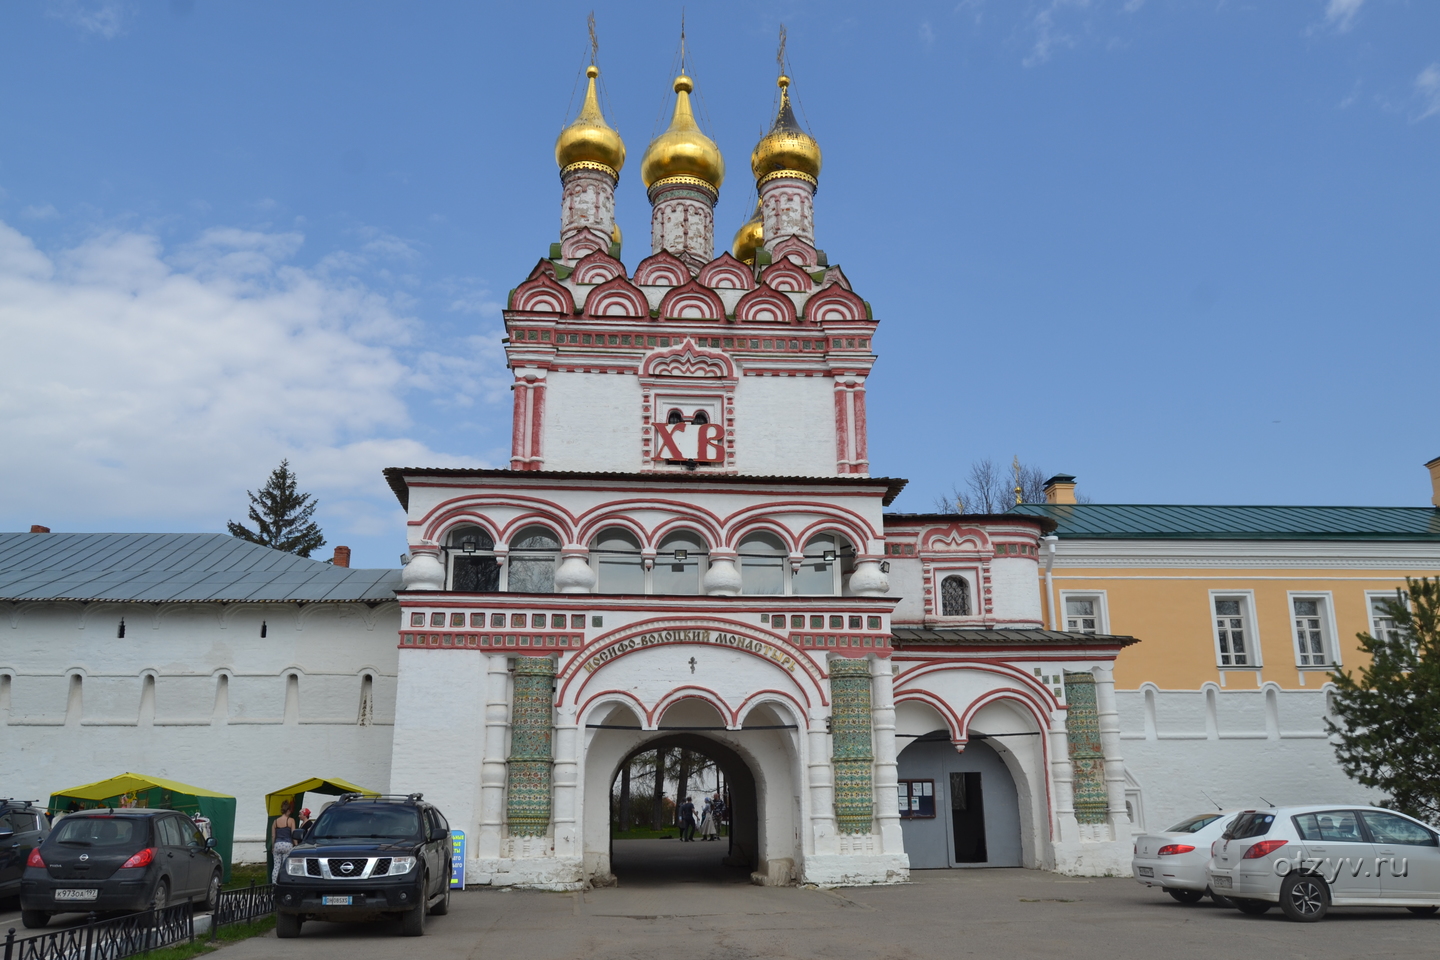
x=692 y=301
x=726 y=272
x=542 y=293
x=663 y=269
x=597 y=267
x=788 y=277
x=765 y=305
x=796 y=250
x=833 y=304
x=616 y=297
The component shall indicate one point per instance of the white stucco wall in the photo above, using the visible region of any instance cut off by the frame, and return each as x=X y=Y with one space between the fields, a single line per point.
x=1014 y=591
x=1241 y=748
x=785 y=426
x=218 y=715
x=592 y=422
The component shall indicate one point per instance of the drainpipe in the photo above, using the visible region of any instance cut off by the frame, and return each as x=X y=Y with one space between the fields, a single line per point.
x=1050 y=542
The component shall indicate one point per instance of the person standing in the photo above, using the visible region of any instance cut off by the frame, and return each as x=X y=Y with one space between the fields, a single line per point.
x=687 y=821
x=707 y=820
x=281 y=833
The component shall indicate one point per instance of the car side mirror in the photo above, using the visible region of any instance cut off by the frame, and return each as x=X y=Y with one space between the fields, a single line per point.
x=210 y=843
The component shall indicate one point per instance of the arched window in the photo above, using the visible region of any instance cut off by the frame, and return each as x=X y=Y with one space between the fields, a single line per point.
x=675 y=416
x=955 y=597
x=473 y=568
x=678 y=562
x=700 y=417
x=826 y=558
x=762 y=565
x=532 y=561
x=615 y=555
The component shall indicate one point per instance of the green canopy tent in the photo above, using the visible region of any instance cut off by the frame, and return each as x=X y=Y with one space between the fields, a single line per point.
x=159 y=794
x=333 y=786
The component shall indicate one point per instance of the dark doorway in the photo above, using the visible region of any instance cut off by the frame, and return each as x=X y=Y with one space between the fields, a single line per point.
x=658 y=857
x=967 y=814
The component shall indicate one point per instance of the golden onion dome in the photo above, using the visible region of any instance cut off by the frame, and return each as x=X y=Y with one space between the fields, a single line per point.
x=590 y=139
x=787 y=146
x=615 y=235
x=750 y=237
x=682 y=150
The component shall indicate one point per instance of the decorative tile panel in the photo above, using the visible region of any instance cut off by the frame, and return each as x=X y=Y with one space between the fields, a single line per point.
x=853 y=751
x=528 y=789
x=1082 y=730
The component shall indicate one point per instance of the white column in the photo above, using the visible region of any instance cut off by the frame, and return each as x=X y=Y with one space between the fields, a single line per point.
x=567 y=765
x=882 y=725
x=587 y=211
x=492 y=766
x=1109 y=718
x=788 y=205
x=1062 y=775
x=821 y=786
x=682 y=219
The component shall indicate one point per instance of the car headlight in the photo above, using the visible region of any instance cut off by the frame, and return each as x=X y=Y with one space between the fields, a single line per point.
x=402 y=864
x=295 y=866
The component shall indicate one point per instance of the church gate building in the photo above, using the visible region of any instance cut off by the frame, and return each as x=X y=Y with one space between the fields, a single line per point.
x=689 y=548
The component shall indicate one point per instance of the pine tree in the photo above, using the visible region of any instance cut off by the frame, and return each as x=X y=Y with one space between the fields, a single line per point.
x=281 y=515
x=1388 y=736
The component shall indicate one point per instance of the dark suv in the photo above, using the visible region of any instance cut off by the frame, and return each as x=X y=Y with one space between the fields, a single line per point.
x=22 y=828
x=124 y=859
x=367 y=858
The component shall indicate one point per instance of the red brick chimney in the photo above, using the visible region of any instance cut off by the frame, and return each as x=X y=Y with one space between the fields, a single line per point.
x=36 y=528
x=342 y=557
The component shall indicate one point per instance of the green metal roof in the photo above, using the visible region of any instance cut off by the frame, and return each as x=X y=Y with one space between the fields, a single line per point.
x=1161 y=521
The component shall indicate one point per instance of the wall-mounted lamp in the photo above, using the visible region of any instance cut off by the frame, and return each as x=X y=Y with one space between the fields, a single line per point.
x=829 y=556
x=681 y=556
x=885 y=566
x=468 y=546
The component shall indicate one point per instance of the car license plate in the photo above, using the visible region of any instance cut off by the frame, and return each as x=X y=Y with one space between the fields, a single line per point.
x=73 y=894
x=1222 y=883
x=336 y=901
x=1146 y=871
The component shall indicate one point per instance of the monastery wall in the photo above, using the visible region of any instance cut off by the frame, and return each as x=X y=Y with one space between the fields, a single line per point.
x=193 y=692
x=1242 y=748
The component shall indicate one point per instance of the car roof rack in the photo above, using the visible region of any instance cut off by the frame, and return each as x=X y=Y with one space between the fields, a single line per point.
x=348 y=797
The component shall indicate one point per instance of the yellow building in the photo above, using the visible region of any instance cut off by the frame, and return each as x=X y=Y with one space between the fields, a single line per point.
x=1244 y=611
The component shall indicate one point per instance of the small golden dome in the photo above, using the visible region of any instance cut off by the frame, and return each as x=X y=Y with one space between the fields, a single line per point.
x=682 y=150
x=787 y=146
x=615 y=235
x=590 y=139
x=750 y=237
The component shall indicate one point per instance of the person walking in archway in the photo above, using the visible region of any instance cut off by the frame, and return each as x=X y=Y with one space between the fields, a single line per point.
x=687 y=821
x=707 y=821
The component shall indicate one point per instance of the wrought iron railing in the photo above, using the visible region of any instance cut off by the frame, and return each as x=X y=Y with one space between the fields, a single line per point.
x=243 y=905
x=107 y=939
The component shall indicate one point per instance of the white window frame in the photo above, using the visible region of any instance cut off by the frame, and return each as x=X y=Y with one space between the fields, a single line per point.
x=1252 y=631
x=1329 y=633
x=1371 y=622
x=971 y=575
x=1102 y=608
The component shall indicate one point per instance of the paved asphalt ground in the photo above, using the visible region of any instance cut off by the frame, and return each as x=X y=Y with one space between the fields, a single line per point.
x=676 y=901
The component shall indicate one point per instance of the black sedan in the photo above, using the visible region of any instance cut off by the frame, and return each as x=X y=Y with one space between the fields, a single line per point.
x=122 y=860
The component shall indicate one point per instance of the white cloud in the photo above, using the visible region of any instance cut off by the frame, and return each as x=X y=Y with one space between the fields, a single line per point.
x=1427 y=89
x=144 y=385
x=1049 y=34
x=1340 y=14
x=103 y=18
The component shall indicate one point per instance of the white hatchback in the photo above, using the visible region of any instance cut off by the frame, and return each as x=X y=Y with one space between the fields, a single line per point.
x=1311 y=858
x=1175 y=859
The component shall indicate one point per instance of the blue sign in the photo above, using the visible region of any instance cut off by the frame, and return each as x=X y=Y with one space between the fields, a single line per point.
x=457 y=859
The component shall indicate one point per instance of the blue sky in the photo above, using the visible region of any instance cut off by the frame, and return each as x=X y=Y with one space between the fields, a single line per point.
x=1186 y=250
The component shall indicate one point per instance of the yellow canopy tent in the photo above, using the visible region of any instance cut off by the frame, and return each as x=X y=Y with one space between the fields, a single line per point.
x=140 y=790
x=333 y=786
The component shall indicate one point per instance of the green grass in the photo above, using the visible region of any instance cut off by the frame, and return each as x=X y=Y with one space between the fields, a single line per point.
x=639 y=832
x=242 y=873
x=229 y=933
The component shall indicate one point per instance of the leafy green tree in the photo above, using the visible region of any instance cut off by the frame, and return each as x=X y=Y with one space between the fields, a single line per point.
x=1388 y=734
x=281 y=515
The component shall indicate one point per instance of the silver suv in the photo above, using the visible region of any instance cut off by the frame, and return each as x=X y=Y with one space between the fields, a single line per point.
x=1311 y=858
